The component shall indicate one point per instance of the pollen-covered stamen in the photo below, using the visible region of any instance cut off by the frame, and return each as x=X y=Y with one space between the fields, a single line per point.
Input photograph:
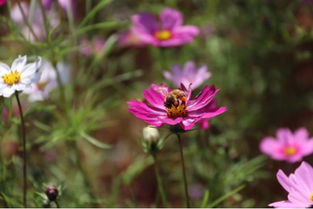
x=175 y=103
x=11 y=78
x=163 y=35
x=290 y=151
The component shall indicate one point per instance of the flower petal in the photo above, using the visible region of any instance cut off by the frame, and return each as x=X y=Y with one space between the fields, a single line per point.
x=154 y=98
x=19 y=63
x=202 y=99
x=170 y=18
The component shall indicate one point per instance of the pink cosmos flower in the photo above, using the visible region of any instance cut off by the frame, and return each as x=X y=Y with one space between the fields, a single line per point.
x=188 y=75
x=288 y=146
x=299 y=186
x=175 y=107
x=2 y=2
x=166 y=33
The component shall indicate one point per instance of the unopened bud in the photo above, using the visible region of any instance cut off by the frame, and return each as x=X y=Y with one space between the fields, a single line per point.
x=151 y=134
x=52 y=193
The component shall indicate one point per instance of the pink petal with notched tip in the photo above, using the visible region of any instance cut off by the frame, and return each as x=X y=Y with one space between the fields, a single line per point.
x=170 y=18
x=144 y=23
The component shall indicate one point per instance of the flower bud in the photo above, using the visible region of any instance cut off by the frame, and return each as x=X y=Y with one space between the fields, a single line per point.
x=52 y=193
x=151 y=134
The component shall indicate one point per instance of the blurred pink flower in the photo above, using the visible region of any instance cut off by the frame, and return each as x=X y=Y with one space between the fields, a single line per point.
x=175 y=107
x=2 y=2
x=168 y=32
x=15 y=111
x=288 y=146
x=95 y=46
x=188 y=75
x=299 y=186
x=65 y=4
x=130 y=39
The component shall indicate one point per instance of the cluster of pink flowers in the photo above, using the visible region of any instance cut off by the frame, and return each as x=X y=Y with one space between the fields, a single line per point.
x=167 y=106
x=292 y=147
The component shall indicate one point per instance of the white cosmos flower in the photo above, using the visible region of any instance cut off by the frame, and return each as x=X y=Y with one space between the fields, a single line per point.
x=41 y=89
x=19 y=76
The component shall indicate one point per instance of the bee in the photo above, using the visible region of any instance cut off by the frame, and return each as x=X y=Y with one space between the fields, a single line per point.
x=175 y=98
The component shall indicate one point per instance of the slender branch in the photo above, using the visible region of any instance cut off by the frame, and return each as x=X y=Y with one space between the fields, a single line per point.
x=26 y=20
x=24 y=150
x=85 y=177
x=45 y=19
x=159 y=181
x=183 y=170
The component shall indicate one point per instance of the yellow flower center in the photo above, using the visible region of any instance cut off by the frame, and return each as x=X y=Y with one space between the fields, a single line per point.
x=175 y=103
x=290 y=151
x=11 y=78
x=311 y=196
x=42 y=85
x=163 y=35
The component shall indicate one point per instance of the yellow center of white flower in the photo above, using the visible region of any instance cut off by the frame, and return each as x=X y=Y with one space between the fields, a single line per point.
x=42 y=85
x=11 y=78
x=290 y=151
x=163 y=35
x=175 y=103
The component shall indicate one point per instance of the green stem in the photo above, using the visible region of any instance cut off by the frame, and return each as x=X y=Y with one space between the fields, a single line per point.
x=26 y=20
x=57 y=203
x=159 y=181
x=24 y=150
x=45 y=20
x=183 y=170
x=86 y=182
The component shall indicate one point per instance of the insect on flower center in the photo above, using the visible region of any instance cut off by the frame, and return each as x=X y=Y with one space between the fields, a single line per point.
x=290 y=151
x=175 y=103
x=11 y=78
x=163 y=35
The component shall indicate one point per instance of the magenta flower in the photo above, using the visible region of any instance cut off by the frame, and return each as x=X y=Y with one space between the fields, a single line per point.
x=299 y=186
x=2 y=2
x=166 y=33
x=175 y=107
x=67 y=5
x=288 y=146
x=188 y=75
